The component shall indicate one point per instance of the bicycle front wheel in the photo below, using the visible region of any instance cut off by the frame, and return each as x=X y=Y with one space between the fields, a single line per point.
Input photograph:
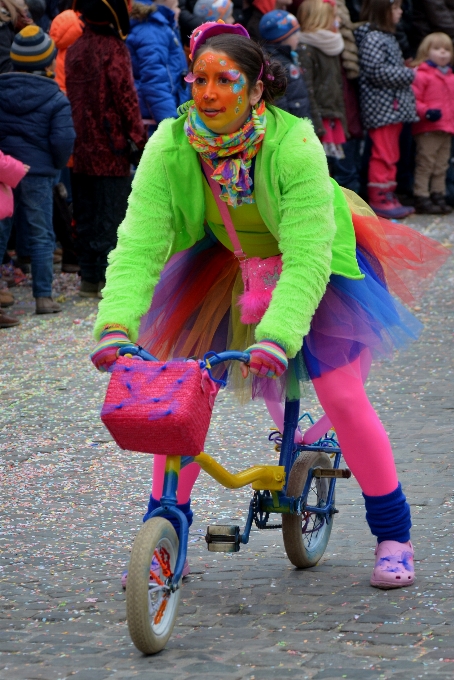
x=151 y=607
x=306 y=536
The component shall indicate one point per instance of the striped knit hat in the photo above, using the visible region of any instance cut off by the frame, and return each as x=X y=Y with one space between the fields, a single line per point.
x=32 y=49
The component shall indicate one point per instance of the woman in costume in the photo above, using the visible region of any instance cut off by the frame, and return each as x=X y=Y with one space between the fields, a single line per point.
x=331 y=310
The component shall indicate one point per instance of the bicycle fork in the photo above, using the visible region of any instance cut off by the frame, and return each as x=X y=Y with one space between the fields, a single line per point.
x=168 y=508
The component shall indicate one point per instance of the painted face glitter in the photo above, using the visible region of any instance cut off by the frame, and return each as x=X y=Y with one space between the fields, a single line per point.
x=219 y=90
x=239 y=86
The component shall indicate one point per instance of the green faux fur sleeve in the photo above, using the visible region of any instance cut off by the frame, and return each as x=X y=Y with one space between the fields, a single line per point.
x=144 y=240
x=306 y=233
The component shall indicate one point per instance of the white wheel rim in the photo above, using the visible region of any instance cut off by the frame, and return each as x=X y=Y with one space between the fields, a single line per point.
x=159 y=596
x=313 y=538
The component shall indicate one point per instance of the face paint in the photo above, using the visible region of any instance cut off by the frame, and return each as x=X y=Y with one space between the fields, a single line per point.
x=220 y=92
x=238 y=86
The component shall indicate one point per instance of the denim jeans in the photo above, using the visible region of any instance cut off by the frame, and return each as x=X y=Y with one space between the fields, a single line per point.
x=5 y=230
x=450 y=177
x=33 y=221
x=346 y=171
x=22 y=245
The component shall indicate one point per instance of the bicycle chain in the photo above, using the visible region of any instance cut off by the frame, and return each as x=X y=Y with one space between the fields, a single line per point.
x=256 y=511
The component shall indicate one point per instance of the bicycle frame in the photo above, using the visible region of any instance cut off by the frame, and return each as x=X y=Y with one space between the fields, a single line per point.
x=269 y=479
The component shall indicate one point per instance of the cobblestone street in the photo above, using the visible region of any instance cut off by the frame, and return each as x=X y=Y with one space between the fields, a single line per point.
x=72 y=502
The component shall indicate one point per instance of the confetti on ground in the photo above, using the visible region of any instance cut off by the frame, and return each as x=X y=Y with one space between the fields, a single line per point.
x=72 y=503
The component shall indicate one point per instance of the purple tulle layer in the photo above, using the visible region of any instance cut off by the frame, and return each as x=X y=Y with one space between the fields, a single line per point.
x=353 y=315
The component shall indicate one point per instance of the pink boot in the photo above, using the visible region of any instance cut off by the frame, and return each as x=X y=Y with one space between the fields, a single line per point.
x=384 y=202
x=393 y=565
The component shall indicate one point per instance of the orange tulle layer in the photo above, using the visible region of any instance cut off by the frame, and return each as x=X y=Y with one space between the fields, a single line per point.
x=194 y=308
x=407 y=257
x=191 y=303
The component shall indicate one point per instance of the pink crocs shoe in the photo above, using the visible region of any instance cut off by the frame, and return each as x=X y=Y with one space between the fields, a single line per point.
x=156 y=568
x=393 y=565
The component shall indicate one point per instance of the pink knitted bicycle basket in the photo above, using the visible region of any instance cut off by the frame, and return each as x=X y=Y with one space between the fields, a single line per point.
x=159 y=407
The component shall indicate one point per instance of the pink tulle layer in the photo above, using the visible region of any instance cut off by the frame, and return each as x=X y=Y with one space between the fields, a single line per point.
x=191 y=310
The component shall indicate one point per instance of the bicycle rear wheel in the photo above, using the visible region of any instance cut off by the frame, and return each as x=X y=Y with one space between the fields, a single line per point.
x=151 y=607
x=306 y=536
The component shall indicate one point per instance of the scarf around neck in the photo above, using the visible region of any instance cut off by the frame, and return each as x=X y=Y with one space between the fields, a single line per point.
x=229 y=155
x=328 y=42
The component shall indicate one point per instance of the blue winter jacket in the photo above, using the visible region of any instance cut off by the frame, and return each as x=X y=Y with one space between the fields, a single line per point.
x=158 y=60
x=35 y=122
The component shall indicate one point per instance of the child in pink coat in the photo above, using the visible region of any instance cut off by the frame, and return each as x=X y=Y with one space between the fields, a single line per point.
x=11 y=173
x=434 y=91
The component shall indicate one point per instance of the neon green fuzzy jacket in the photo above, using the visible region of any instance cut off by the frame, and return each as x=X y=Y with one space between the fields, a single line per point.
x=304 y=210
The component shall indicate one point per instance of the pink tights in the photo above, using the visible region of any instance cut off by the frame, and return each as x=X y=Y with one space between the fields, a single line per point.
x=362 y=437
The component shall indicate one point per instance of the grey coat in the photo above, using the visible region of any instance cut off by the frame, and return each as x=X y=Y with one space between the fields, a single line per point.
x=386 y=95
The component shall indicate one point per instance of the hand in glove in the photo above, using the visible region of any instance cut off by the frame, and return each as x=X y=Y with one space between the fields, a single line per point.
x=113 y=337
x=433 y=115
x=268 y=360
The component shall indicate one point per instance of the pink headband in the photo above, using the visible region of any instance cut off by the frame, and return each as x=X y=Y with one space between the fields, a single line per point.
x=208 y=30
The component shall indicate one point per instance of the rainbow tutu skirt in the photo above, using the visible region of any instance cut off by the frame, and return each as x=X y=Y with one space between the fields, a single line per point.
x=194 y=307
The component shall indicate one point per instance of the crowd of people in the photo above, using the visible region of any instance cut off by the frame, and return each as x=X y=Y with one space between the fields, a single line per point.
x=82 y=88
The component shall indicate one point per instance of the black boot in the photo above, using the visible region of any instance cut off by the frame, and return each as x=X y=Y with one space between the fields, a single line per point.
x=439 y=199
x=424 y=206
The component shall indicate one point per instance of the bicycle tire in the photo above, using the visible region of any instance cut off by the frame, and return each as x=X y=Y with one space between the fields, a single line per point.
x=144 y=600
x=305 y=548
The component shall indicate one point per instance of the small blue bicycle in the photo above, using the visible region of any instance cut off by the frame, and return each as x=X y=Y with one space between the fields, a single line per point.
x=300 y=488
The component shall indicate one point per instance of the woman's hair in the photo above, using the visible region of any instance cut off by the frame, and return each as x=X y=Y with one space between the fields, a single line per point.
x=11 y=9
x=379 y=14
x=252 y=60
x=315 y=15
x=430 y=41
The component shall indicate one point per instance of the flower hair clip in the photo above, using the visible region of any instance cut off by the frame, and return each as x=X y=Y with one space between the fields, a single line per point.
x=268 y=76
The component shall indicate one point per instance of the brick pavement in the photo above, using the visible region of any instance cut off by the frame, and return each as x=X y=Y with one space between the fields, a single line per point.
x=72 y=503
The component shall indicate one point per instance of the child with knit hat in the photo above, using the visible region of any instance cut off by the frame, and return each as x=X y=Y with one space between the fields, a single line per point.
x=158 y=59
x=213 y=10
x=281 y=32
x=37 y=129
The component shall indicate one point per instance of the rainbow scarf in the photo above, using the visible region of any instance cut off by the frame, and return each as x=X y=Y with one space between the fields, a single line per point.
x=229 y=155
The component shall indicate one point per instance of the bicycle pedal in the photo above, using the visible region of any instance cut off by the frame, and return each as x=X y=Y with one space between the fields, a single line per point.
x=223 y=538
x=337 y=473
